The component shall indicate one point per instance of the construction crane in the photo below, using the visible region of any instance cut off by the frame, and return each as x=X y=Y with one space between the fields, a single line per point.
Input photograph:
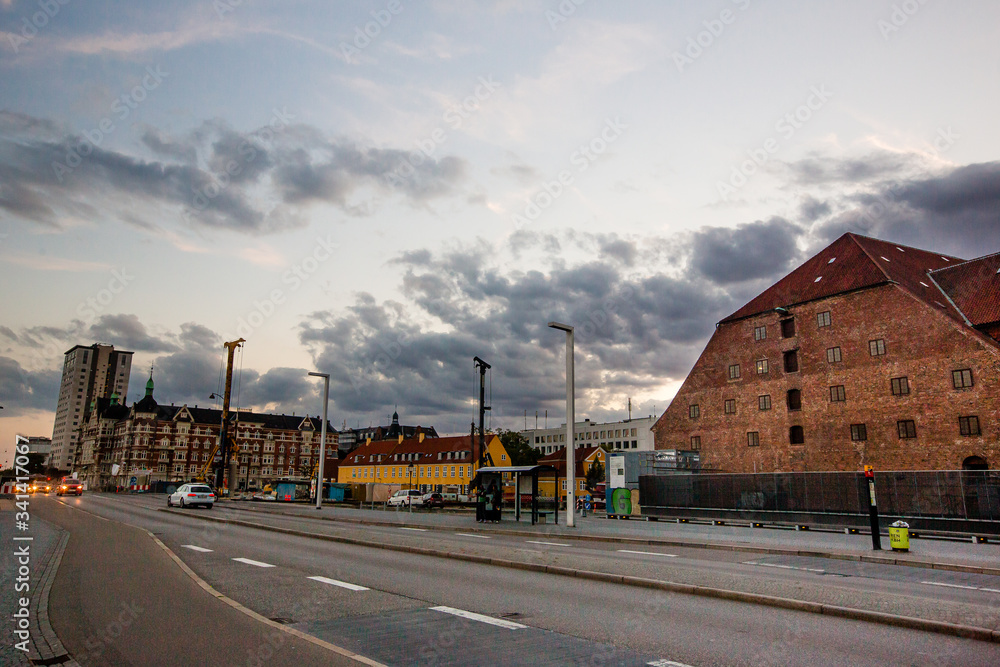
x=223 y=443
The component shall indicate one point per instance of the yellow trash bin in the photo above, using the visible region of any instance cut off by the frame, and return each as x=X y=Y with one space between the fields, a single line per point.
x=899 y=536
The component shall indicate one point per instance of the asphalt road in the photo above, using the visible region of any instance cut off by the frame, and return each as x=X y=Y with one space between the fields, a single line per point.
x=398 y=617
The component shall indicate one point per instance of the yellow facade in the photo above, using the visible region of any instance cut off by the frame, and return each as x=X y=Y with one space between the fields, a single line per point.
x=545 y=484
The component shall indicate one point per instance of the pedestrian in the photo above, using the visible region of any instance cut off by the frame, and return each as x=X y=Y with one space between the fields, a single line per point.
x=480 y=505
x=497 y=503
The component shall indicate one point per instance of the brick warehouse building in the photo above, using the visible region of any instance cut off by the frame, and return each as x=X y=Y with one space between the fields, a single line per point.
x=869 y=353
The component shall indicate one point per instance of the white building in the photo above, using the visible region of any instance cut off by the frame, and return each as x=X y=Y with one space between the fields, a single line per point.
x=630 y=434
x=97 y=371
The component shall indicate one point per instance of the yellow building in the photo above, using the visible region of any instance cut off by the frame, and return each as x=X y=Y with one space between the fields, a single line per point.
x=428 y=464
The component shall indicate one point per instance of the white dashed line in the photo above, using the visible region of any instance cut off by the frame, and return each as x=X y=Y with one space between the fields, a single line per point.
x=647 y=553
x=418 y=530
x=784 y=567
x=342 y=584
x=499 y=622
x=667 y=663
x=194 y=548
x=482 y=537
x=253 y=562
x=551 y=544
x=967 y=588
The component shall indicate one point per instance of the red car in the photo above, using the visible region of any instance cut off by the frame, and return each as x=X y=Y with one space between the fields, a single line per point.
x=69 y=486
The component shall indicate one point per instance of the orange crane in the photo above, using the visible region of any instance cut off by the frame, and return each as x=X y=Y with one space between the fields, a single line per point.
x=227 y=459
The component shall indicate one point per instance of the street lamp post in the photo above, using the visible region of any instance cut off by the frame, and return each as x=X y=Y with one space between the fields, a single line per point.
x=322 y=438
x=570 y=418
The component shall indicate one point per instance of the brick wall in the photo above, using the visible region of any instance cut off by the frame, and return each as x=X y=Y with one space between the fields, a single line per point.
x=921 y=344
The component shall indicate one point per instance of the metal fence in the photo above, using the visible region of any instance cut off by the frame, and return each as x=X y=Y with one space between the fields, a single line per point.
x=951 y=494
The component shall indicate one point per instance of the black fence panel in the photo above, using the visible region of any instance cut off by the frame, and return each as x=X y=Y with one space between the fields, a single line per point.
x=952 y=494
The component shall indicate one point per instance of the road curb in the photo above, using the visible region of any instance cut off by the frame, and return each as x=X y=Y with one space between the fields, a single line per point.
x=939 y=627
x=640 y=541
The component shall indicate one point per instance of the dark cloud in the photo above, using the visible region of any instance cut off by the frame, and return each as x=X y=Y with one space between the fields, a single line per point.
x=212 y=176
x=22 y=390
x=954 y=212
x=748 y=251
x=813 y=209
x=128 y=333
x=827 y=170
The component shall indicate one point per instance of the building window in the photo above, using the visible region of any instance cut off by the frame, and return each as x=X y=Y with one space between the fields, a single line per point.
x=760 y=333
x=794 y=399
x=734 y=372
x=730 y=406
x=792 y=361
x=796 y=435
x=764 y=402
x=696 y=442
x=837 y=394
x=787 y=328
x=694 y=411
x=907 y=428
x=962 y=378
x=876 y=348
x=833 y=355
x=823 y=319
x=761 y=366
x=859 y=432
x=900 y=386
x=753 y=439
x=968 y=425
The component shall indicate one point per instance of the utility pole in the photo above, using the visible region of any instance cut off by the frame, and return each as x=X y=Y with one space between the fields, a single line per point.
x=220 y=472
x=482 y=366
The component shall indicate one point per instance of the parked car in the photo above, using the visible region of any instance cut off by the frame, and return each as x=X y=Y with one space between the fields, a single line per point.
x=405 y=497
x=192 y=495
x=69 y=486
x=431 y=500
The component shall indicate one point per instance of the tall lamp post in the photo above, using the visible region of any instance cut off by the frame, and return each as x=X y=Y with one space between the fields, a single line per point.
x=322 y=438
x=570 y=411
x=409 y=477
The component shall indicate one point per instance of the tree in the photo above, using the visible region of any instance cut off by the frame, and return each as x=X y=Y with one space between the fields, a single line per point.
x=520 y=451
x=595 y=475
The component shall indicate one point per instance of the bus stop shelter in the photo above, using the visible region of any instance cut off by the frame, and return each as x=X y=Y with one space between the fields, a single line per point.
x=525 y=482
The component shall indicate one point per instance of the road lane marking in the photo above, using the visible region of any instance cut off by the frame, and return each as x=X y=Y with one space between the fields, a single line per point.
x=482 y=537
x=418 y=530
x=667 y=663
x=647 y=553
x=499 y=622
x=551 y=544
x=194 y=548
x=784 y=567
x=342 y=584
x=968 y=588
x=253 y=562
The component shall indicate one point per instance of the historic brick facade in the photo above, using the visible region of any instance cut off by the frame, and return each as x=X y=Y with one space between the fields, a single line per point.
x=880 y=368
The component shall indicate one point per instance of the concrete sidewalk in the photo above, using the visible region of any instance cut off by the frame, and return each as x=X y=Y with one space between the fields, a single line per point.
x=924 y=552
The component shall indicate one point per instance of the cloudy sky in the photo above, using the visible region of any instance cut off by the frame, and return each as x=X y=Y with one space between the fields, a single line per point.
x=383 y=190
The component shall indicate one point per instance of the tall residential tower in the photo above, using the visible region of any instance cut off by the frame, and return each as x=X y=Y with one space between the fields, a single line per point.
x=97 y=371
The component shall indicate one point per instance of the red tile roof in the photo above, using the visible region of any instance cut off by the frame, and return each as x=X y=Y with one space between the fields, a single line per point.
x=557 y=459
x=974 y=287
x=427 y=450
x=851 y=263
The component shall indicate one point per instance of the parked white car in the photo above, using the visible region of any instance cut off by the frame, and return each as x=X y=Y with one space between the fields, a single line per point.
x=192 y=495
x=405 y=497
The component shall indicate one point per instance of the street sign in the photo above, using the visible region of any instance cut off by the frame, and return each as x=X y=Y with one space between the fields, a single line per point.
x=132 y=481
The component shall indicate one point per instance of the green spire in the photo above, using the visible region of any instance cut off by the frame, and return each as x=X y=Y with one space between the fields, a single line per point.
x=149 y=384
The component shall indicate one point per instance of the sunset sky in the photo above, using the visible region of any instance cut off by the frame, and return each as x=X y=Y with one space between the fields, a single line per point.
x=383 y=190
